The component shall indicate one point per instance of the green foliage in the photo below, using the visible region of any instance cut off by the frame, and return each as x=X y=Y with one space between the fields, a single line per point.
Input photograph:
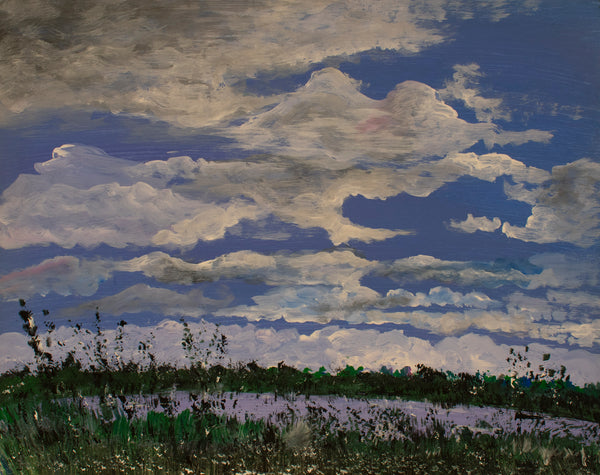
x=64 y=438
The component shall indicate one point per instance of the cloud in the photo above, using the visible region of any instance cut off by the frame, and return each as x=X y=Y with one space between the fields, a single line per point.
x=69 y=275
x=586 y=334
x=340 y=267
x=305 y=195
x=15 y=351
x=329 y=116
x=310 y=194
x=317 y=286
x=186 y=63
x=492 y=10
x=209 y=224
x=473 y=224
x=64 y=275
x=565 y=209
x=317 y=303
x=533 y=308
x=82 y=166
x=440 y=296
x=490 y=166
x=326 y=285
x=83 y=196
x=331 y=347
x=34 y=213
x=568 y=271
x=322 y=286
x=183 y=63
x=324 y=303
x=524 y=316
x=486 y=274
x=142 y=298
x=463 y=88
x=557 y=306
x=565 y=203
x=574 y=299
x=316 y=137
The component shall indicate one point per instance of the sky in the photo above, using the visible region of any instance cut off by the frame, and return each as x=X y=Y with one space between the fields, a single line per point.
x=351 y=182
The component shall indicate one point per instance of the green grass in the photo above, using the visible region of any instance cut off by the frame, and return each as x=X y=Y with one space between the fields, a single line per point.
x=41 y=436
x=53 y=438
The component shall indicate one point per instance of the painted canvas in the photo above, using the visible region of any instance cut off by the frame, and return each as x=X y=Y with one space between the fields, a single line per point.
x=352 y=236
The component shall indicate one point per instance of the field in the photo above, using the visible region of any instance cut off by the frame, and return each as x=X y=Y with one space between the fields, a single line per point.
x=71 y=416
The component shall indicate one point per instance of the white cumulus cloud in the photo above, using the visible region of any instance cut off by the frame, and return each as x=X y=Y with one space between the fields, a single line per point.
x=35 y=213
x=566 y=209
x=329 y=116
x=473 y=224
x=463 y=87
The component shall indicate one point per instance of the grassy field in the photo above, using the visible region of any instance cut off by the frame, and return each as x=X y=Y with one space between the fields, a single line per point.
x=46 y=427
x=49 y=437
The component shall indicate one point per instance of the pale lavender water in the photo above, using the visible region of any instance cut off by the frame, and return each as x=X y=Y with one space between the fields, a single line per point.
x=381 y=418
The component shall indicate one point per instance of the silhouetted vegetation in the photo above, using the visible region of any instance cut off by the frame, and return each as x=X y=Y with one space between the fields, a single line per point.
x=547 y=390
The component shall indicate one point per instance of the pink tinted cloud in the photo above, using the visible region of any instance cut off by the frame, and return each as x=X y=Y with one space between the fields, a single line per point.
x=374 y=124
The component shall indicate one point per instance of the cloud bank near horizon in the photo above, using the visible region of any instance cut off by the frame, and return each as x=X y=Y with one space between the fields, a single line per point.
x=331 y=347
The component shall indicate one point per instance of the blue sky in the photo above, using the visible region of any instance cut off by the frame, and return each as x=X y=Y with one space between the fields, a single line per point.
x=347 y=182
